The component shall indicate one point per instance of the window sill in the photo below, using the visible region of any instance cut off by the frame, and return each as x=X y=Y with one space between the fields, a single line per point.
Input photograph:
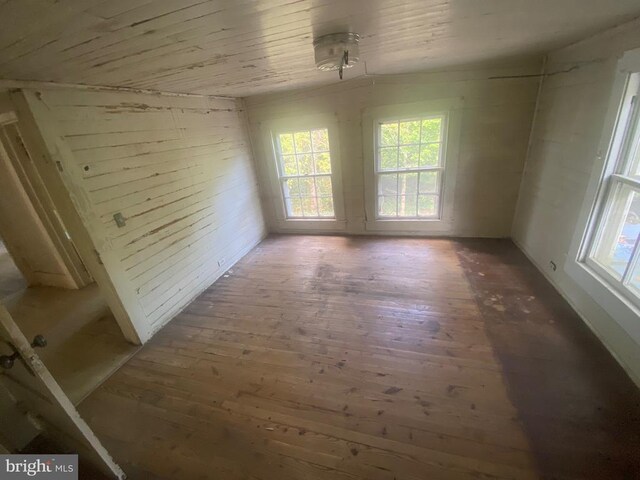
x=407 y=219
x=310 y=219
x=306 y=225
x=434 y=226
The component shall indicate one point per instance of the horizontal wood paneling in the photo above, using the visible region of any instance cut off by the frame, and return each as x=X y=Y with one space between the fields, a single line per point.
x=246 y=47
x=179 y=169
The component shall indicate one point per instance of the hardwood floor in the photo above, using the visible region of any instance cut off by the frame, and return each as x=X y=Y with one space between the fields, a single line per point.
x=373 y=358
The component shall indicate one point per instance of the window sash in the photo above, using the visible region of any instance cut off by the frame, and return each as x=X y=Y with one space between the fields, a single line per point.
x=317 y=199
x=615 y=182
x=622 y=176
x=378 y=160
x=287 y=197
x=625 y=161
x=310 y=175
x=437 y=194
x=412 y=144
x=439 y=168
x=410 y=170
x=283 y=177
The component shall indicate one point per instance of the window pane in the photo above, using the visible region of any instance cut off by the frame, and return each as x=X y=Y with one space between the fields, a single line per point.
x=635 y=159
x=323 y=162
x=631 y=145
x=620 y=231
x=305 y=173
x=418 y=148
x=408 y=184
x=286 y=143
x=427 y=205
x=428 y=182
x=305 y=164
x=387 y=205
x=294 y=206
x=430 y=155
x=323 y=185
x=303 y=142
x=389 y=134
x=634 y=279
x=310 y=207
x=410 y=132
x=388 y=184
x=407 y=205
x=307 y=187
x=289 y=165
x=291 y=188
x=326 y=206
x=388 y=158
x=409 y=156
x=320 y=140
x=431 y=130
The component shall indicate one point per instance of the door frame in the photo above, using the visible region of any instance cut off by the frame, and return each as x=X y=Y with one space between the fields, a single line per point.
x=45 y=156
x=18 y=158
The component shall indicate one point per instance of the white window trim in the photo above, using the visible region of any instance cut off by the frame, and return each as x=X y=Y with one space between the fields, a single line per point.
x=269 y=131
x=614 y=302
x=451 y=110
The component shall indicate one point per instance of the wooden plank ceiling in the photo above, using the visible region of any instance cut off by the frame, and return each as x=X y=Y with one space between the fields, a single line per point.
x=246 y=47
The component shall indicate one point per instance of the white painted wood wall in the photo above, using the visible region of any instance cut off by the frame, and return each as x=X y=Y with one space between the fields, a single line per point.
x=180 y=171
x=496 y=121
x=565 y=137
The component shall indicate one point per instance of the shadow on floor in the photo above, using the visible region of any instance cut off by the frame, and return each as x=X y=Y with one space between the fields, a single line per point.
x=571 y=395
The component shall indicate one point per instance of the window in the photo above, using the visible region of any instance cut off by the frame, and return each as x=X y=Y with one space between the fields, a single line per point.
x=409 y=167
x=304 y=170
x=603 y=257
x=612 y=250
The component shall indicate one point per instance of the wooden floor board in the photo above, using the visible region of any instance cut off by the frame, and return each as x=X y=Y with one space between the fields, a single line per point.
x=373 y=358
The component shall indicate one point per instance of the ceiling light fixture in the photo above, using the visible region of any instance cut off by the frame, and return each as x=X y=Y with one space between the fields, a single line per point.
x=337 y=51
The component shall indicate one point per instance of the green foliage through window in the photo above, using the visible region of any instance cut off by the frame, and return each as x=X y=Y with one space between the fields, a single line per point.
x=305 y=173
x=409 y=167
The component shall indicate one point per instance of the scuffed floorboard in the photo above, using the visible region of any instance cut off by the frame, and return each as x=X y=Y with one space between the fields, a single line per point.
x=372 y=358
x=578 y=408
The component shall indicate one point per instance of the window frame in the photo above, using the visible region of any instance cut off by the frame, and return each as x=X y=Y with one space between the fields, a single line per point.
x=270 y=132
x=594 y=279
x=616 y=177
x=442 y=223
x=440 y=168
x=282 y=177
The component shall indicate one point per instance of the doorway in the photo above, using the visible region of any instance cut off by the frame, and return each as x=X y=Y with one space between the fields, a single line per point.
x=32 y=232
x=11 y=279
x=44 y=283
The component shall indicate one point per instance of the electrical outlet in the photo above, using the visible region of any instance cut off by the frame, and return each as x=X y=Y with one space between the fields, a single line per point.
x=221 y=262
